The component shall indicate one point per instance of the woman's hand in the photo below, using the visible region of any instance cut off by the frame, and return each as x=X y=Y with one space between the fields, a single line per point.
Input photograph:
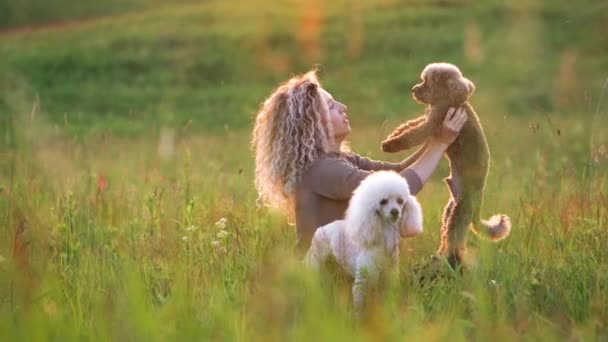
x=427 y=163
x=453 y=122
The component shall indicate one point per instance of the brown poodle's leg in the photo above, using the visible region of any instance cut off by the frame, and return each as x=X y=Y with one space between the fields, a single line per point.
x=447 y=212
x=403 y=127
x=455 y=230
x=396 y=142
x=408 y=138
x=432 y=269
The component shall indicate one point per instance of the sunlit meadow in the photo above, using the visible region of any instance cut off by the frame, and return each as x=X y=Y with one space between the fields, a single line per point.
x=127 y=206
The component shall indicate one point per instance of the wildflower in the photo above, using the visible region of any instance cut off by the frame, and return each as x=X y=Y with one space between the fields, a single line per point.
x=185 y=238
x=222 y=234
x=494 y=283
x=535 y=281
x=216 y=243
x=468 y=295
x=599 y=153
x=166 y=143
x=102 y=183
x=191 y=228
x=50 y=308
x=221 y=224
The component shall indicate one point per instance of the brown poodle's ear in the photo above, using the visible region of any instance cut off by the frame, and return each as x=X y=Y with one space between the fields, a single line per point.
x=470 y=85
x=458 y=90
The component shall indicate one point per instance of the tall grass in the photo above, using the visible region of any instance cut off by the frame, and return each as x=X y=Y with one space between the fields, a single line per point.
x=127 y=207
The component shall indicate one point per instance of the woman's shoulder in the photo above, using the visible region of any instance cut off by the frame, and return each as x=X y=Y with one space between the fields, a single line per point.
x=337 y=157
x=329 y=161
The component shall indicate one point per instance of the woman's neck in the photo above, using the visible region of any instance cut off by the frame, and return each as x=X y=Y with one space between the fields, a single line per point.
x=336 y=144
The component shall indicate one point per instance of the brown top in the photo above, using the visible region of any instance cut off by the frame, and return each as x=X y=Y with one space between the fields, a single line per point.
x=323 y=193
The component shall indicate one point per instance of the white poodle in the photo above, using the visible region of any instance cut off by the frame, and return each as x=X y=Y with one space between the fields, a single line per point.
x=366 y=242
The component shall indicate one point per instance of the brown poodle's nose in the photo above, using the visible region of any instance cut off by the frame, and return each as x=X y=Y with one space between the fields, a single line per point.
x=394 y=212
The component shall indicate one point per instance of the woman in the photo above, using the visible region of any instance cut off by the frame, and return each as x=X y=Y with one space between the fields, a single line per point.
x=300 y=166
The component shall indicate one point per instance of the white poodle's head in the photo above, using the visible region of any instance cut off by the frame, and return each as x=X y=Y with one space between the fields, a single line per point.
x=381 y=202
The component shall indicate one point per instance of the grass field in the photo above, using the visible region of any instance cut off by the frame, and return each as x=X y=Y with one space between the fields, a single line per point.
x=124 y=141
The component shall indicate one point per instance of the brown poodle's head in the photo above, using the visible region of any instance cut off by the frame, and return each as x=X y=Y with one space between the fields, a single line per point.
x=442 y=83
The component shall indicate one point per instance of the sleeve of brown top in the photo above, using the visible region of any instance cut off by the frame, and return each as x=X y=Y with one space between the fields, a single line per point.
x=372 y=165
x=336 y=178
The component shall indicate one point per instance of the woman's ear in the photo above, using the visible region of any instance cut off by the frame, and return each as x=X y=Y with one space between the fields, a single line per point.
x=412 y=223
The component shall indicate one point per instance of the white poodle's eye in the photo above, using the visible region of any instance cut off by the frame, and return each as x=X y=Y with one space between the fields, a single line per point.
x=399 y=200
x=384 y=201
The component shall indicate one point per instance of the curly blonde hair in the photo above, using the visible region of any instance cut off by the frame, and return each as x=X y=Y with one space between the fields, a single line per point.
x=291 y=130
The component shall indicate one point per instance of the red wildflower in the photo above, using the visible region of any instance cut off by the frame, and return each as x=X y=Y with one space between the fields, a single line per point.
x=102 y=183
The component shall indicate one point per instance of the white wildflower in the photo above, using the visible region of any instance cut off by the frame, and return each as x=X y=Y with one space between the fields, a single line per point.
x=216 y=243
x=222 y=234
x=221 y=224
x=166 y=143
x=468 y=295
x=185 y=238
x=191 y=228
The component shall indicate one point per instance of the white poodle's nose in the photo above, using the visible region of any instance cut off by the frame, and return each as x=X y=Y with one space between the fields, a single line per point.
x=394 y=213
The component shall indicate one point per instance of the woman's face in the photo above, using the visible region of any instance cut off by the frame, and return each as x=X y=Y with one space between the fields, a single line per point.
x=337 y=116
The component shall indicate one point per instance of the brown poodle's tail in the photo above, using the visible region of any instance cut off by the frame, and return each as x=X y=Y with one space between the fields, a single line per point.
x=496 y=228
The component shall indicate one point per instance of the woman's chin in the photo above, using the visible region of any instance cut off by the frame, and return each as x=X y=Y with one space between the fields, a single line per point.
x=341 y=136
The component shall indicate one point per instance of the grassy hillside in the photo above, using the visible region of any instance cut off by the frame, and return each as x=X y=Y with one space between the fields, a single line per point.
x=213 y=63
x=28 y=14
x=125 y=138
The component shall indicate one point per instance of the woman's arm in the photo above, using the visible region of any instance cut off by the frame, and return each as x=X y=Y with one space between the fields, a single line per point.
x=413 y=158
x=427 y=163
x=337 y=178
x=367 y=164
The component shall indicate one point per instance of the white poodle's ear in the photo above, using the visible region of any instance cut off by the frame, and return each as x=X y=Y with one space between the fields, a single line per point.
x=412 y=218
x=364 y=226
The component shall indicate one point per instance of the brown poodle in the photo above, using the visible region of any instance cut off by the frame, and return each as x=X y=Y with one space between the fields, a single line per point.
x=442 y=87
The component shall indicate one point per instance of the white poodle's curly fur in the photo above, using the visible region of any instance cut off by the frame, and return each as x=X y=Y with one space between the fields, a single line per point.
x=366 y=242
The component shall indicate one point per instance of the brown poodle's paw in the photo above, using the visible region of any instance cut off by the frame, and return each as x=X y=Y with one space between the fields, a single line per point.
x=393 y=145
